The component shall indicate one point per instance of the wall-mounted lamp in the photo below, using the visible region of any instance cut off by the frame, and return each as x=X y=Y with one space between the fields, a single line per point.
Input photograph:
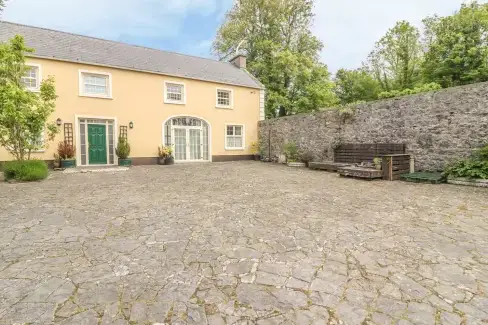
x=59 y=122
x=131 y=124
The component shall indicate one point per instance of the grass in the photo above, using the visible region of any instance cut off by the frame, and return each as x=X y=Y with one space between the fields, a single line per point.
x=25 y=171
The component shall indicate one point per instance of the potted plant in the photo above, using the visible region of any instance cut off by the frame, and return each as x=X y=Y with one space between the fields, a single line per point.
x=255 y=150
x=162 y=154
x=165 y=154
x=66 y=153
x=123 y=152
x=377 y=163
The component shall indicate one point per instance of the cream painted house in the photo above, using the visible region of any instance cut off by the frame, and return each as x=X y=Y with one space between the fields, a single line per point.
x=205 y=109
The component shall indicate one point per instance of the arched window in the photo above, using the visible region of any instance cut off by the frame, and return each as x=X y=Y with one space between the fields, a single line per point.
x=189 y=138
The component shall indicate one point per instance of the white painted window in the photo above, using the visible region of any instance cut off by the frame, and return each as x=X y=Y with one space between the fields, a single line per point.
x=174 y=93
x=32 y=78
x=95 y=84
x=40 y=141
x=224 y=98
x=234 y=137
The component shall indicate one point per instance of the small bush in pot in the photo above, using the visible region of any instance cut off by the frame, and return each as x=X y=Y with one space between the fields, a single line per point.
x=165 y=154
x=66 y=153
x=255 y=150
x=25 y=170
x=123 y=152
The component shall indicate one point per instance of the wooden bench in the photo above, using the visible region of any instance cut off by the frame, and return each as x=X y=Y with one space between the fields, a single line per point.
x=393 y=166
x=329 y=166
x=360 y=172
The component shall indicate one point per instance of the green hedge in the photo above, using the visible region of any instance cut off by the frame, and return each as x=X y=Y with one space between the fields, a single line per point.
x=417 y=90
x=25 y=171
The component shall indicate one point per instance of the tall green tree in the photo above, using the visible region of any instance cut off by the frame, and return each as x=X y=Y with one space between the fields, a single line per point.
x=281 y=51
x=356 y=85
x=397 y=56
x=458 y=49
x=23 y=113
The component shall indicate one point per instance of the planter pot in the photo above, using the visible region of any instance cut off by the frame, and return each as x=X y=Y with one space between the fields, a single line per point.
x=169 y=161
x=257 y=157
x=56 y=164
x=68 y=163
x=296 y=164
x=125 y=162
x=161 y=161
x=378 y=167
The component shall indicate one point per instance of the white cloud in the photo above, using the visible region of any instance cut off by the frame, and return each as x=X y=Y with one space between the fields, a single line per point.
x=349 y=28
x=109 y=18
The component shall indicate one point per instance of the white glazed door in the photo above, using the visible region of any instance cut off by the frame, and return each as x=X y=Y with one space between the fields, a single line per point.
x=188 y=143
x=180 y=145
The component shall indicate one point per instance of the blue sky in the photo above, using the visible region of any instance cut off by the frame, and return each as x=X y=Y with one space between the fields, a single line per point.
x=348 y=28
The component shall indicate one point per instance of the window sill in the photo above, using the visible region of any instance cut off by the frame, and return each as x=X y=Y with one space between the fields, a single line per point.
x=34 y=90
x=234 y=149
x=174 y=103
x=96 y=96
x=224 y=107
x=38 y=151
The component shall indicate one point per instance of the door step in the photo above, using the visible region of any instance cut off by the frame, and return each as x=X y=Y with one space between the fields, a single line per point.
x=98 y=169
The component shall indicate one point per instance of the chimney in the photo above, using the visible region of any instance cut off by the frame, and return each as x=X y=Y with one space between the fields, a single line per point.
x=239 y=61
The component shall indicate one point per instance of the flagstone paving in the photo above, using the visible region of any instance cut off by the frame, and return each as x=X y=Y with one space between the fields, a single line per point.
x=241 y=243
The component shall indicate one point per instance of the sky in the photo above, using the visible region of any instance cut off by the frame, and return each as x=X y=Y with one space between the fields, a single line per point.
x=348 y=28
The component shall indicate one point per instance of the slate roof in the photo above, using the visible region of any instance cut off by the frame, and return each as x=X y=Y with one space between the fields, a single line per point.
x=52 y=44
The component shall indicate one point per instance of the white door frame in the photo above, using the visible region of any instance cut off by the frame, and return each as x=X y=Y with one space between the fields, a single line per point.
x=189 y=127
x=78 y=141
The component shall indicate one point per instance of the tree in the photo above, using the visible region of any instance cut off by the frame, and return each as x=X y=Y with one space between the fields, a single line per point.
x=2 y=5
x=23 y=113
x=458 y=48
x=281 y=51
x=356 y=85
x=396 y=59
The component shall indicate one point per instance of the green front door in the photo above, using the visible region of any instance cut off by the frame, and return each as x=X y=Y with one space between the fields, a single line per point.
x=97 y=141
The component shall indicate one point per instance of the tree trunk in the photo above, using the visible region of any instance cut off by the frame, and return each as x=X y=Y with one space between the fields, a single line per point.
x=282 y=111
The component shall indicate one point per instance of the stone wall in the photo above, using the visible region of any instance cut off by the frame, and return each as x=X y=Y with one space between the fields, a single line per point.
x=437 y=127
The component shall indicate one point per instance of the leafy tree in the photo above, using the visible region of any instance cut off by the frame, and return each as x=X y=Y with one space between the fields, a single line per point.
x=356 y=85
x=2 y=5
x=23 y=113
x=458 y=48
x=282 y=53
x=396 y=59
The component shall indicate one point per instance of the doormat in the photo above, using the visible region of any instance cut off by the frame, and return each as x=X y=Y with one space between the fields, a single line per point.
x=95 y=170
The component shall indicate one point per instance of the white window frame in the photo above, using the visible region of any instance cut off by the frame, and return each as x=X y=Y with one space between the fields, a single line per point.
x=39 y=77
x=169 y=101
x=231 y=98
x=243 y=137
x=81 y=82
x=43 y=141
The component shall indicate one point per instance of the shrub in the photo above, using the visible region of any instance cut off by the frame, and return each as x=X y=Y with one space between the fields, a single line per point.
x=165 y=152
x=123 y=148
x=66 y=151
x=255 y=148
x=482 y=153
x=468 y=168
x=290 y=150
x=25 y=170
x=307 y=157
x=421 y=89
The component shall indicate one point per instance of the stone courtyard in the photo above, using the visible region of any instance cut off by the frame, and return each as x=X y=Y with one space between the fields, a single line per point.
x=241 y=243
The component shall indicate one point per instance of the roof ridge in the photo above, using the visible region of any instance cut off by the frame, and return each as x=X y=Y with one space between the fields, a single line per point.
x=112 y=41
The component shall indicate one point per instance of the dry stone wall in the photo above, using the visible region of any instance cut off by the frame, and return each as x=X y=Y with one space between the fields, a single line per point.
x=437 y=127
